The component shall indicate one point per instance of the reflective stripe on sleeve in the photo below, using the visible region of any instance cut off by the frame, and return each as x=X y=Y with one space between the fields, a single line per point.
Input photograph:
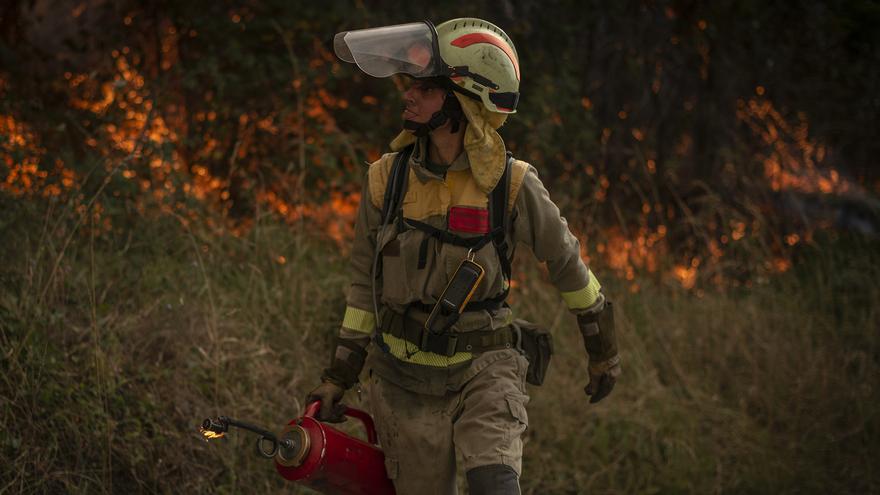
x=583 y=298
x=359 y=320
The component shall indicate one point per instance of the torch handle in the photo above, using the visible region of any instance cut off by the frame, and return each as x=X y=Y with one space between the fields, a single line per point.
x=367 y=420
x=313 y=408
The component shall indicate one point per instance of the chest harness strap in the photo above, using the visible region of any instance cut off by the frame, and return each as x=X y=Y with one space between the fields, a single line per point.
x=499 y=224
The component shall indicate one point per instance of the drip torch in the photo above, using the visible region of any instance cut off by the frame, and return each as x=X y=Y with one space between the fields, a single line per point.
x=317 y=455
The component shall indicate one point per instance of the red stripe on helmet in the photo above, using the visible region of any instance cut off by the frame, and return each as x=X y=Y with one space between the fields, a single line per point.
x=474 y=38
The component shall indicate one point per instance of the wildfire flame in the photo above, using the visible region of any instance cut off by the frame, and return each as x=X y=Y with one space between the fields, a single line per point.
x=792 y=161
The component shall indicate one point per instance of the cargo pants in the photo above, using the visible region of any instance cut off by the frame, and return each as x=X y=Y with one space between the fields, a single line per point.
x=483 y=420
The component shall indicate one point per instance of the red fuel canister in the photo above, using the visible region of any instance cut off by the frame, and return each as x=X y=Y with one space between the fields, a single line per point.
x=327 y=460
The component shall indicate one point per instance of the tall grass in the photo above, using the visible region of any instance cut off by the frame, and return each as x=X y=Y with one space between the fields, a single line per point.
x=773 y=389
x=110 y=361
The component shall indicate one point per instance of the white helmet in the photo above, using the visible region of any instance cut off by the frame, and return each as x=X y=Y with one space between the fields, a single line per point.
x=475 y=55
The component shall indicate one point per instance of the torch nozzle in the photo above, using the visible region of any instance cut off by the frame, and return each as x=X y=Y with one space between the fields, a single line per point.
x=219 y=425
x=267 y=444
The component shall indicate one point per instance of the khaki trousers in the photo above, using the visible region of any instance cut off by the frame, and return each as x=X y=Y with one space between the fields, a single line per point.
x=484 y=421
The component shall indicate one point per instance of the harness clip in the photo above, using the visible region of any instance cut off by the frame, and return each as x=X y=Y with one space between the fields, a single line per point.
x=451 y=344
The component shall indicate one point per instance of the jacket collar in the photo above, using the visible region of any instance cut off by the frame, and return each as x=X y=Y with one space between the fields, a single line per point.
x=420 y=156
x=483 y=145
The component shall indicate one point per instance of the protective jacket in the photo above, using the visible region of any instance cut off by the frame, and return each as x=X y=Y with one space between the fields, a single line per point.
x=414 y=271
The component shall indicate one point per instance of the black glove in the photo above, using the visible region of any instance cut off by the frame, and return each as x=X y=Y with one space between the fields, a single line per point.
x=345 y=366
x=329 y=394
x=597 y=328
x=346 y=362
x=603 y=376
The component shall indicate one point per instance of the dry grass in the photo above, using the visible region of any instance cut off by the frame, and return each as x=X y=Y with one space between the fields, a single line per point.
x=109 y=364
x=769 y=390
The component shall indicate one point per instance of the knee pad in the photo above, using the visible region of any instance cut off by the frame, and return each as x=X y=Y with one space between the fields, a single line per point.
x=494 y=479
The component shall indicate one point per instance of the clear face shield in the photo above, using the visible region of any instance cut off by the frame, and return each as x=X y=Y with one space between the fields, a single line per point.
x=410 y=49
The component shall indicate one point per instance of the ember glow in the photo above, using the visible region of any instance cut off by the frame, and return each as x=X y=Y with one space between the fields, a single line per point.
x=793 y=161
x=171 y=181
x=180 y=163
x=28 y=173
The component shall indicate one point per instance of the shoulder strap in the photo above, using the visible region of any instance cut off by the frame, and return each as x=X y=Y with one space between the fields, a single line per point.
x=397 y=181
x=500 y=222
x=499 y=198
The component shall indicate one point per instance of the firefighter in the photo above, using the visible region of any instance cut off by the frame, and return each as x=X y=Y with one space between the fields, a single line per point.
x=446 y=207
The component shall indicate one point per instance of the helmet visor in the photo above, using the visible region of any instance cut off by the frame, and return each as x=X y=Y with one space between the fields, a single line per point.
x=401 y=49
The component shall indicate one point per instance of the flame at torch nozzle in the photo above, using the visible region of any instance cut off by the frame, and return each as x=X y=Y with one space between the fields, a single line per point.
x=267 y=444
x=213 y=429
x=211 y=435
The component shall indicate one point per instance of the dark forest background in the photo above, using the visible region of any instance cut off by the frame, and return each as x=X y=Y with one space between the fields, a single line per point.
x=178 y=182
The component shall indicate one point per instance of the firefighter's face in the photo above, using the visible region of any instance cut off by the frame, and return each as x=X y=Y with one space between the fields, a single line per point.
x=422 y=99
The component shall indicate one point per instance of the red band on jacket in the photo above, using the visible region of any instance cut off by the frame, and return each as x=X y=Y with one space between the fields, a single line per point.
x=472 y=220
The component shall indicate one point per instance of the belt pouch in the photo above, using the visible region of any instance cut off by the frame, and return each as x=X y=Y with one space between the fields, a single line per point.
x=537 y=345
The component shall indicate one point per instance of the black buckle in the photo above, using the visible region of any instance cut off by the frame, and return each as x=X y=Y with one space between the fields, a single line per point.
x=423 y=344
x=451 y=343
x=433 y=342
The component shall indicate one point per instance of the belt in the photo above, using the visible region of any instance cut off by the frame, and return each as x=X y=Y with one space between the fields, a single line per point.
x=486 y=304
x=447 y=343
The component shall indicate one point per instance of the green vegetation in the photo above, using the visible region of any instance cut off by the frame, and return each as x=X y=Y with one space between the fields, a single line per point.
x=111 y=360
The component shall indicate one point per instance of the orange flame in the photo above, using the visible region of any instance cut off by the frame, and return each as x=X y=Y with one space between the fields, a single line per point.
x=791 y=161
x=794 y=160
x=211 y=435
x=686 y=275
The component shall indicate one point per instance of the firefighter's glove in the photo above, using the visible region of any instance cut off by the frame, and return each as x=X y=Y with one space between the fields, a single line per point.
x=342 y=374
x=603 y=376
x=329 y=394
x=596 y=324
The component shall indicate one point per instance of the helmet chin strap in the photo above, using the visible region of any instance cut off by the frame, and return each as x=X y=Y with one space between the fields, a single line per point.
x=451 y=110
x=423 y=129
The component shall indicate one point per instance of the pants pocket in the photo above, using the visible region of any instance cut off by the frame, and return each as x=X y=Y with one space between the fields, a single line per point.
x=516 y=406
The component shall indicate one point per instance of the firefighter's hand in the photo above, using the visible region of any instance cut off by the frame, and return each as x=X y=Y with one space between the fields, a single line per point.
x=329 y=394
x=603 y=376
